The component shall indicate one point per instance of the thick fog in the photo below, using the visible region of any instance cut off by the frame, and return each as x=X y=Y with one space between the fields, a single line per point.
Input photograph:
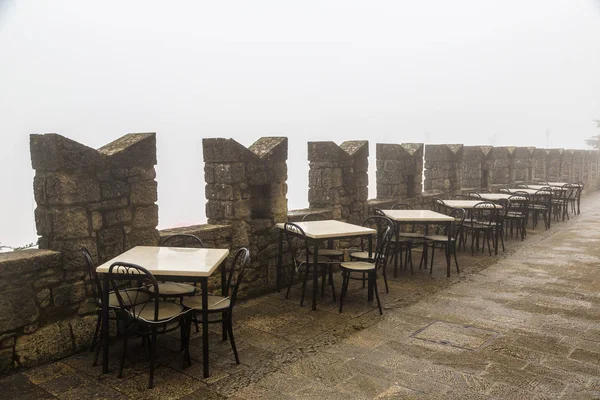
x=508 y=72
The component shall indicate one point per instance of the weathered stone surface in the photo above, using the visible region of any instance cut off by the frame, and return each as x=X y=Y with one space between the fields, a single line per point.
x=97 y=222
x=114 y=189
x=133 y=149
x=47 y=343
x=271 y=148
x=69 y=294
x=26 y=261
x=44 y=298
x=135 y=173
x=110 y=243
x=218 y=150
x=6 y=361
x=117 y=217
x=53 y=152
x=142 y=237
x=109 y=204
x=144 y=193
x=83 y=331
x=71 y=188
x=145 y=217
x=17 y=309
x=229 y=173
x=70 y=223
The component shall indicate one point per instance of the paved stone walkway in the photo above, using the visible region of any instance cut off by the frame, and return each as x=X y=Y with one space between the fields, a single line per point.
x=522 y=325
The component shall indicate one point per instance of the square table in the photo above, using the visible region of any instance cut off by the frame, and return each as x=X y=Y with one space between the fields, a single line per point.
x=167 y=263
x=317 y=231
x=491 y=196
x=424 y=217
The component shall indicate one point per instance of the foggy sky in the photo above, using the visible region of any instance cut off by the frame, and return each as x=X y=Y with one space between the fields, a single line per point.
x=472 y=72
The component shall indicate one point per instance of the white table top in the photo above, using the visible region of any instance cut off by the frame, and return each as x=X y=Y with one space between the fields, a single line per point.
x=538 y=187
x=467 y=204
x=493 y=196
x=331 y=229
x=417 y=216
x=559 y=183
x=528 y=191
x=171 y=261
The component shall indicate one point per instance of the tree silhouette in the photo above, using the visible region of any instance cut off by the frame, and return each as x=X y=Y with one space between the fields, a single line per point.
x=594 y=141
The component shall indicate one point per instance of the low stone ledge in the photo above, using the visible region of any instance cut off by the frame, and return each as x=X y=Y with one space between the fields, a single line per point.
x=211 y=235
x=26 y=261
x=297 y=215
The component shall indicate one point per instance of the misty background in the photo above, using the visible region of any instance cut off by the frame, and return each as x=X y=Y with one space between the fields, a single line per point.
x=510 y=72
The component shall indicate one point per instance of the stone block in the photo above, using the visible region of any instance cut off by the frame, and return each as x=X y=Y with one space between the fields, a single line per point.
x=44 y=298
x=114 y=189
x=229 y=173
x=17 y=309
x=25 y=261
x=332 y=178
x=116 y=217
x=135 y=173
x=112 y=204
x=39 y=188
x=323 y=196
x=73 y=188
x=144 y=193
x=110 y=243
x=53 y=152
x=6 y=361
x=222 y=192
x=97 y=222
x=145 y=217
x=142 y=237
x=70 y=223
x=48 y=343
x=83 y=331
x=218 y=150
x=43 y=221
x=133 y=149
x=69 y=294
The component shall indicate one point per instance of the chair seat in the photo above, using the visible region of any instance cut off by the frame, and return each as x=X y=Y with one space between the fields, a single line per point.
x=329 y=252
x=438 y=238
x=174 y=289
x=311 y=259
x=358 y=266
x=166 y=312
x=414 y=235
x=363 y=255
x=214 y=302
x=133 y=297
x=515 y=214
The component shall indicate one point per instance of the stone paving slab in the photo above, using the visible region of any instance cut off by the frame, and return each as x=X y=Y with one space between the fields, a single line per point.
x=521 y=325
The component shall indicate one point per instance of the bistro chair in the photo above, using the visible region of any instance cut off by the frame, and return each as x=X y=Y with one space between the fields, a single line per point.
x=518 y=214
x=303 y=261
x=580 y=188
x=440 y=238
x=540 y=205
x=370 y=267
x=113 y=302
x=326 y=250
x=380 y=223
x=504 y=190
x=481 y=223
x=179 y=289
x=500 y=221
x=560 y=202
x=409 y=235
x=224 y=304
x=144 y=312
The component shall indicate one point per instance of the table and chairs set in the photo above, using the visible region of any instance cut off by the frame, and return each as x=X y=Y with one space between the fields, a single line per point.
x=153 y=290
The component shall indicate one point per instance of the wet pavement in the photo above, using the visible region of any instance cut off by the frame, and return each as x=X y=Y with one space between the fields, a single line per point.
x=521 y=325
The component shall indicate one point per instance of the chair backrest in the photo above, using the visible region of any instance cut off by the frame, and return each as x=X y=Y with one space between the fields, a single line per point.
x=236 y=274
x=96 y=286
x=297 y=241
x=484 y=214
x=438 y=205
x=474 y=195
x=504 y=190
x=519 y=203
x=314 y=217
x=462 y=197
x=383 y=247
x=380 y=223
x=484 y=191
x=459 y=215
x=124 y=276
x=402 y=206
x=183 y=240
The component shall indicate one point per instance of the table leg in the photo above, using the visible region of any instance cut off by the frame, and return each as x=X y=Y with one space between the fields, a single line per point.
x=315 y=276
x=425 y=246
x=396 y=247
x=204 y=286
x=224 y=292
x=549 y=210
x=448 y=247
x=105 y=290
x=279 y=259
x=370 y=277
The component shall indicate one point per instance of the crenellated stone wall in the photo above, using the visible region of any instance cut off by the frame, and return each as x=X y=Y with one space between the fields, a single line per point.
x=246 y=189
x=553 y=164
x=524 y=164
x=476 y=167
x=503 y=170
x=399 y=170
x=540 y=171
x=443 y=167
x=566 y=166
x=578 y=160
x=338 y=179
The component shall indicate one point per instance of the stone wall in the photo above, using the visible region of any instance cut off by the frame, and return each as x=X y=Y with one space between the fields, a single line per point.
x=476 y=167
x=246 y=189
x=524 y=164
x=503 y=171
x=578 y=160
x=443 y=167
x=553 y=164
x=399 y=170
x=566 y=166
x=338 y=179
x=540 y=172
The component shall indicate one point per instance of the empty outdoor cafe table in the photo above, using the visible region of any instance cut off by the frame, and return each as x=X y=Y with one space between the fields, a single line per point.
x=422 y=217
x=491 y=196
x=167 y=263
x=315 y=232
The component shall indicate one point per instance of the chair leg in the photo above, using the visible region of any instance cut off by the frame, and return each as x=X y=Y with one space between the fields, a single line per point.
x=98 y=348
x=332 y=284
x=96 y=331
x=287 y=293
x=376 y=292
x=323 y=276
x=152 y=358
x=123 y=355
x=432 y=256
x=232 y=340
x=346 y=278
x=455 y=258
x=303 y=286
